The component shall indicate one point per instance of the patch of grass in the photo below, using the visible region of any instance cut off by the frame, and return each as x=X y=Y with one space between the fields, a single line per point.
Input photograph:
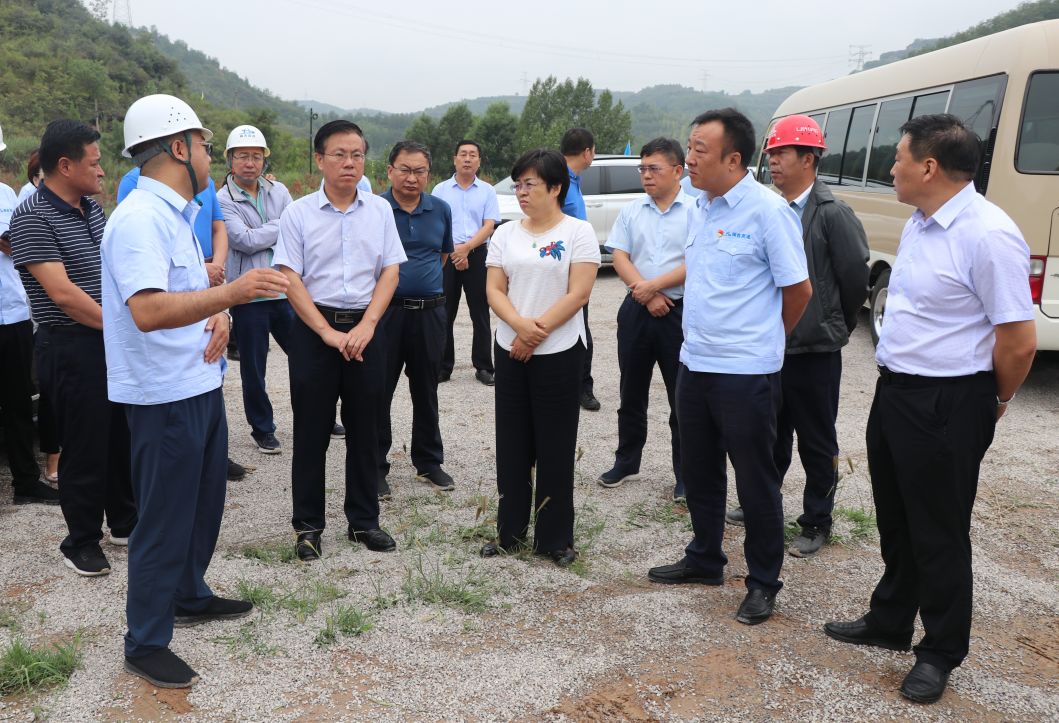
x=863 y=522
x=10 y=615
x=25 y=668
x=247 y=641
x=345 y=620
x=588 y=526
x=262 y=596
x=270 y=553
x=306 y=600
x=666 y=513
x=791 y=529
x=469 y=592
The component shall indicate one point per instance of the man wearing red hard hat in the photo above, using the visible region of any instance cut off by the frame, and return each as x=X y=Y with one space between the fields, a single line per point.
x=837 y=253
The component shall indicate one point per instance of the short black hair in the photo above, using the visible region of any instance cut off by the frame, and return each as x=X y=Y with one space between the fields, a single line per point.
x=336 y=126
x=408 y=147
x=738 y=132
x=576 y=140
x=668 y=146
x=946 y=139
x=64 y=138
x=549 y=165
x=467 y=142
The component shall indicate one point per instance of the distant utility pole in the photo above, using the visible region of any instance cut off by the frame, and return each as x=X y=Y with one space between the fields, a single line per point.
x=525 y=83
x=312 y=117
x=123 y=13
x=705 y=80
x=858 y=54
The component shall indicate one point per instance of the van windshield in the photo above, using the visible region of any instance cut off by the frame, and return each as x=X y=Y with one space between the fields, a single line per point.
x=1038 y=150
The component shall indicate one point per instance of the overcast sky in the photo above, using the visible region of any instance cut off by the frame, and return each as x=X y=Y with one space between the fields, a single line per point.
x=405 y=56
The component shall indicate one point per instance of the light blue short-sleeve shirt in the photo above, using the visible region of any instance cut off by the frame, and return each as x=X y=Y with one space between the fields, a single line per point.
x=471 y=206
x=149 y=244
x=742 y=248
x=14 y=306
x=654 y=239
x=338 y=254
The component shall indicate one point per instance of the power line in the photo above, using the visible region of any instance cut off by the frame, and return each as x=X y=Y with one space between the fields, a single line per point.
x=858 y=54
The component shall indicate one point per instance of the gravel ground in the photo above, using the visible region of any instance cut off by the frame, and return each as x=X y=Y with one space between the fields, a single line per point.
x=435 y=632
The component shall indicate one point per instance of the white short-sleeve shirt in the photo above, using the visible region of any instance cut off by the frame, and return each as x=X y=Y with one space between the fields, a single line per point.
x=538 y=275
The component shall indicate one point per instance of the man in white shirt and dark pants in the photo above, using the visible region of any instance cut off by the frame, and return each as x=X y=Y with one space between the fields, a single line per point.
x=957 y=343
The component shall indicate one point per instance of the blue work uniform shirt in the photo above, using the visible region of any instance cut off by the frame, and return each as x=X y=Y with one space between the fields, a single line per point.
x=207 y=198
x=574 y=205
x=654 y=239
x=149 y=244
x=471 y=206
x=14 y=306
x=426 y=233
x=742 y=248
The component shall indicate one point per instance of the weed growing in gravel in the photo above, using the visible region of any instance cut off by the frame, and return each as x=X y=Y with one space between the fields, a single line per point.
x=306 y=600
x=10 y=614
x=791 y=529
x=262 y=596
x=247 y=641
x=344 y=620
x=469 y=592
x=382 y=600
x=588 y=526
x=484 y=527
x=863 y=523
x=24 y=668
x=666 y=513
x=270 y=553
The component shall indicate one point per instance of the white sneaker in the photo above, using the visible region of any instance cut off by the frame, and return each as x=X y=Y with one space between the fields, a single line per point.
x=119 y=541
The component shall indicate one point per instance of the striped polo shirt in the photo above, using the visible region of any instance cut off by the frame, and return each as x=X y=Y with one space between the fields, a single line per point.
x=46 y=228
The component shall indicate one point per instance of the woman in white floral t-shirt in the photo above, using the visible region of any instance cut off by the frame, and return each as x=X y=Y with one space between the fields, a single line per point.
x=540 y=273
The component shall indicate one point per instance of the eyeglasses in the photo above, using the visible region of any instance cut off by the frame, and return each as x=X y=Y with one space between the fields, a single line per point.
x=208 y=147
x=338 y=157
x=653 y=170
x=405 y=171
x=244 y=157
x=526 y=186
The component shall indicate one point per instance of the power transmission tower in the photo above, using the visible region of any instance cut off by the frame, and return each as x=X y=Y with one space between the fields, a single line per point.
x=122 y=13
x=705 y=80
x=858 y=54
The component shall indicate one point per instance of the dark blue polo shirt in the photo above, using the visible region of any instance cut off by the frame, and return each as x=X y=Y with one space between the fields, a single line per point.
x=426 y=233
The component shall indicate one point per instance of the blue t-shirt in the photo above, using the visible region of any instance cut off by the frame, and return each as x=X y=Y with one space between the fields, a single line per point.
x=574 y=205
x=426 y=233
x=209 y=212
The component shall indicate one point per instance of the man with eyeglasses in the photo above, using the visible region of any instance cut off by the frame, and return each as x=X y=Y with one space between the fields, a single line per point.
x=475 y=213
x=252 y=206
x=648 y=244
x=578 y=147
x=415 y=322
x=340 y=250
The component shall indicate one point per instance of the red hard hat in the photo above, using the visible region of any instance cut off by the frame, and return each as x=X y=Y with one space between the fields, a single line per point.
x=795 y=130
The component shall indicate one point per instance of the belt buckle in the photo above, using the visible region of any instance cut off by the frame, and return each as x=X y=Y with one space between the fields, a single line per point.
x=415 y=304
x=345 y=317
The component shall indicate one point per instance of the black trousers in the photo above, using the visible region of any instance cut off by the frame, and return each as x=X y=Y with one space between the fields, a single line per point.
x=926 y=439
x=16 y=400
x=470 y=281
x=95 y=476
x=415 y=339
x=587 y=383
x=810 y=385
x=733 y=415
x=643 y=341
x=537 y=411
x=319 y=377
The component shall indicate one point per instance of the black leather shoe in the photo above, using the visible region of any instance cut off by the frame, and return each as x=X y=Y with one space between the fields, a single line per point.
x=735 y=517
x=860 y=632
x=485 y=377
x=756 y=607
x=162 y=668
x=589 y=402
x=444 y=376
x=219 y=608
x=377 y=540
x=439 y=478
x=384 y=490
x=309 y=547
x=564 y=558
x=236 y=471
x=925 y=683
x=493 y=549
x=680 y=573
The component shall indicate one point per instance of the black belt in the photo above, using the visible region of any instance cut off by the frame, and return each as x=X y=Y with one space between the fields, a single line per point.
x=418 y=304
x=341 y=316
x=901 y=379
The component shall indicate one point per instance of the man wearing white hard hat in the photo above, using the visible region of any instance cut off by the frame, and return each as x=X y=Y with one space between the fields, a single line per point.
x=252 y=205
x=166 y=330
x=837 y=250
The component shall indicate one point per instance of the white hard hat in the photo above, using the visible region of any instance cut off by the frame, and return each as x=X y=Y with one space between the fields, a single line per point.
x=2 y=144
x=247 y=137
x=159 y=116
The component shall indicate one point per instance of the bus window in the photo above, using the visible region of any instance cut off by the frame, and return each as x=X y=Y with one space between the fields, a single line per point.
x=857 y=146
x=835 y=137
x=892 y=115
x=819 y=118
x=977 y=103
x=1038 y=149
x=931 y=103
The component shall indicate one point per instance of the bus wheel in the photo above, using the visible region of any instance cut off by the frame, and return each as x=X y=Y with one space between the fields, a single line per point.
x=878 y=304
